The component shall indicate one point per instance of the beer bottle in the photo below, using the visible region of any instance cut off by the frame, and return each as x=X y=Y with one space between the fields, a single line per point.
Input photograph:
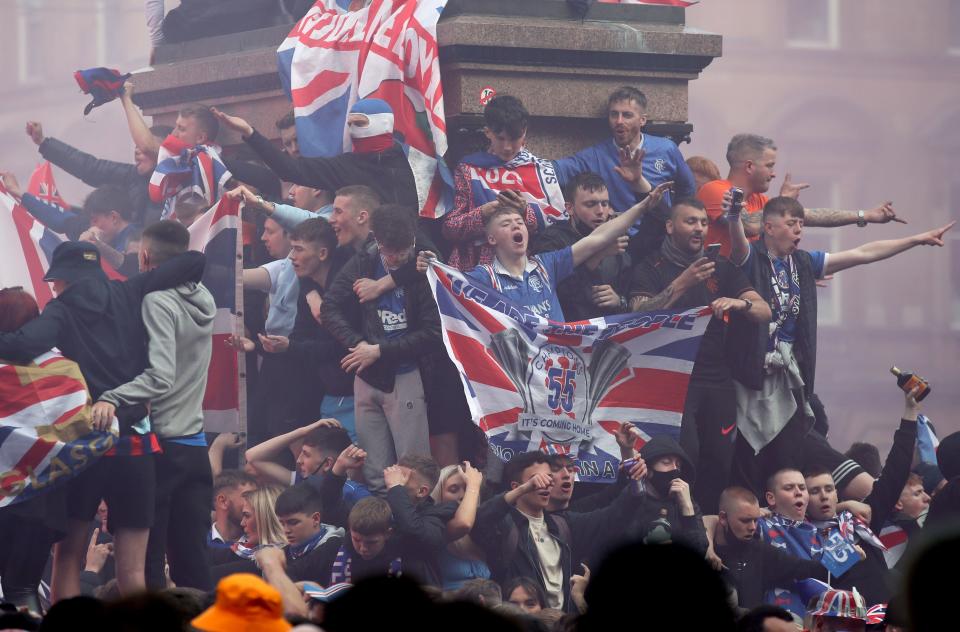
x=909 y=381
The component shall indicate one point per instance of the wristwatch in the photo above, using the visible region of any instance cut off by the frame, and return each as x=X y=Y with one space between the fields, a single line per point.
x=861 y=219
x=749 y=304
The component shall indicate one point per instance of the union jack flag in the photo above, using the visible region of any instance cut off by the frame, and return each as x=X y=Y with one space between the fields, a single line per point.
x=21 y=232
x=181 y=167
x=876 y=614
x=387 y=50
x=45 y=433
x=841 y=604
x=216 y=233
x=565 y=388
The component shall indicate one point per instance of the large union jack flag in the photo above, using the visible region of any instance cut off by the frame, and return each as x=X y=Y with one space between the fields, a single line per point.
x=216 y=233
x=387 y=50
x=534 y=384
x=45 y=433
x=28 y=245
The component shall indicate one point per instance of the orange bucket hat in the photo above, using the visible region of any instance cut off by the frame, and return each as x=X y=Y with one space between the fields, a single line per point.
x=244 y=602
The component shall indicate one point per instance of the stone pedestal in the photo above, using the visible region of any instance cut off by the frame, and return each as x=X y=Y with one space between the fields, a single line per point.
x=563 y=69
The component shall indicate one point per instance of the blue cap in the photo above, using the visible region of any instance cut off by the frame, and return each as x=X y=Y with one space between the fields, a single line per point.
x=371 y=106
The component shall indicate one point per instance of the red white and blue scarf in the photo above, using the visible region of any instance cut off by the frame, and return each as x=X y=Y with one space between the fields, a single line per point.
x=181 y=167
x=534 y=178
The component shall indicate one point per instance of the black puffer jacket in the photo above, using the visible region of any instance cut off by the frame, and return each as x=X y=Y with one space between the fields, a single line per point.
x=352 y=322
x=96 y=173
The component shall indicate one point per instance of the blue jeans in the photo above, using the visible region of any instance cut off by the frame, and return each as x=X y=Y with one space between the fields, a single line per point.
x=341 y=409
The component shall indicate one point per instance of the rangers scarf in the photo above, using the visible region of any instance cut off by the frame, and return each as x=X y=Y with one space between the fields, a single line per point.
x=535 y=179
x=181 y=167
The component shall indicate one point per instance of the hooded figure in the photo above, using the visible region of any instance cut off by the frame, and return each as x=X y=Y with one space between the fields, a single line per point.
x=668 y=513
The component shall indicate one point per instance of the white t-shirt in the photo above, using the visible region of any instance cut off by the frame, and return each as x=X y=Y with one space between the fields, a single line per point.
x=548 y=549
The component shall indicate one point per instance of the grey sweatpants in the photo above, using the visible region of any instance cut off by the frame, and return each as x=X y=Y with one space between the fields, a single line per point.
x=390 y=425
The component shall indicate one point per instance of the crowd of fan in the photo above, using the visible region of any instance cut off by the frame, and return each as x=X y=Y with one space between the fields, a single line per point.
x=364 y=466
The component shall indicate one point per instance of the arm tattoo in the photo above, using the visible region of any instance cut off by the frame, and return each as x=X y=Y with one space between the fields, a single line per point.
x=829 y=217
x=751 y=219
x=650 y=303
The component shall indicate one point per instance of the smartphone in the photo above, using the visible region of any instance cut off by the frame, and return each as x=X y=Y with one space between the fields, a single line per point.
x=736 y=201
x=712 y=252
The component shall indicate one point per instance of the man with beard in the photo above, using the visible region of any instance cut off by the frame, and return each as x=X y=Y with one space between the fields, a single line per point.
x=631 y=163
x=613 y=159
x=600 y=285
x=679 y=276
x=229 y=488
x=752 y=159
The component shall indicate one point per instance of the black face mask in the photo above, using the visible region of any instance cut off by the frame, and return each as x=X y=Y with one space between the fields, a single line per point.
x=661 y=481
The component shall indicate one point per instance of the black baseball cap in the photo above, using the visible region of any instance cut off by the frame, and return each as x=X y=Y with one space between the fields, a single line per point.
x=74 y=260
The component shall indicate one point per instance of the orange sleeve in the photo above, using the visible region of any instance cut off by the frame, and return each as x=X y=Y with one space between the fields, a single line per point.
x=711 y=194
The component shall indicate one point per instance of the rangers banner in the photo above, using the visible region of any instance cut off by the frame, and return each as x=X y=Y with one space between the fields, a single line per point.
x=387 y=50
x=46 y=436
x=534 y=384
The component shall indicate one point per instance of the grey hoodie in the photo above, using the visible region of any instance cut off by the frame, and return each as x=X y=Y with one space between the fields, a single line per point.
x=179 y=325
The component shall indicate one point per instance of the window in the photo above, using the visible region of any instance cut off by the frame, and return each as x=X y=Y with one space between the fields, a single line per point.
x=953 y=23
x=953 y=243
x=30 y=38
x=813 y=23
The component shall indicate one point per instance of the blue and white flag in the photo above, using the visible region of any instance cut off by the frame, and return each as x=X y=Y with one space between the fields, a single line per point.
x=927 y=440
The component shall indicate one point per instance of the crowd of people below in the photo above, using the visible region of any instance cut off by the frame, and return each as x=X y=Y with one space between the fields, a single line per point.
x=363 y=464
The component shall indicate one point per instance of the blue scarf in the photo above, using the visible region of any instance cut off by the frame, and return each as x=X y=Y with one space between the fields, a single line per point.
x=300 y=550
x=798 y=538
x=785 y=303
x=342 y=569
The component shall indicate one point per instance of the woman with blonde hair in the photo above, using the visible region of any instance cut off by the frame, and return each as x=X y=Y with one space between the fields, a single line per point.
x=261 y=528
x=462 y=560
x=259 y=521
